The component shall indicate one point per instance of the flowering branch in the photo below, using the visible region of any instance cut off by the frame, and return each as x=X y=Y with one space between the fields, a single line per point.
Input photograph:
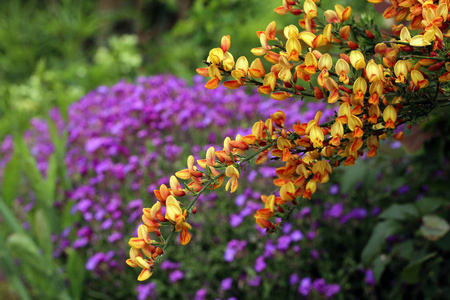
x=378 y=85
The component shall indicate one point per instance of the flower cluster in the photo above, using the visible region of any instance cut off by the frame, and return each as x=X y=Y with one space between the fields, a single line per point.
x=378 y=83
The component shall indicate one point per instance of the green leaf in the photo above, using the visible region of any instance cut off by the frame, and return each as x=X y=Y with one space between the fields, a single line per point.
x=33 y=174
x=378 y=238
x=401 y=212
x=434 y=227
x=410 y=274
x=379 y=265
x=11 y=179
x=444 y=242
x=76 y=273
x=43 y=233
x=428 y=205
x=405 y=250
x=21 y=246
x=10 y=218
x=50 y=182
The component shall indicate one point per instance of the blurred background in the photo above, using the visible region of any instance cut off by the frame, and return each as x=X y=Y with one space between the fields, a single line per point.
x=99 y=104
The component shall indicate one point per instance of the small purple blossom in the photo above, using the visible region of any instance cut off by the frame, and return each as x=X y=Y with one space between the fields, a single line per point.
x=254 y=281
x=334 y=189
x=260 y=264
x=305 y=286
x=283 y=242
x=294 y=279
x=201 y=294
x=369 y=278
x=320 y=285
x=332 y=289
x=226 y=284
x=175 y=275
x=146 y=291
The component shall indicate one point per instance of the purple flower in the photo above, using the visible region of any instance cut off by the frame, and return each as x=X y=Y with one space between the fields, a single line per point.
x=167 y=265
x=226 y=283
x=283 y=242
x=287 y=227
x=240 y=200
x=176 y=275
x=332 y=289
x=375 y=211
x=235 y=220
x=294 y=279
x=114 y=237
x=335 y=211
x=315 y=254
x=369 y=278
x=269 y=249
x=95 y=260
x=80 y=243
x=201 y=294
x=403 y=189
x=296 y=236
x=260 y=264
x=255 y=281
x=358 y=213
x=311 y=235
x=146 y=291
x=320 y=285
x=334 y=189
x=305 y=286
x=304 y=212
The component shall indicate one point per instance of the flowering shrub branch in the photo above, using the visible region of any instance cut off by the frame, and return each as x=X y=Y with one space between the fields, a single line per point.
x=379 y=83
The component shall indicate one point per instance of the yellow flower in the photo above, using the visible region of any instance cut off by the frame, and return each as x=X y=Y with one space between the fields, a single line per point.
x=293 y=48
x=233 y=173
x=215 y=56
x=357 y=60
x=343 y=13
x=389 y=117
x=310 y=9
x=418 y=79
x=342 y=69
x=401 y=71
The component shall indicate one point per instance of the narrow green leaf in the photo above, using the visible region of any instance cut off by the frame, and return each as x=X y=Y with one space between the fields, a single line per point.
x=43 y=233
x=76 y=273
x=10 y=218
x=11 y=179
x=50 y=182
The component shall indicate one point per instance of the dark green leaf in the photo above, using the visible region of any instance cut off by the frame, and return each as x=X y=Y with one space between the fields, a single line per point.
x=378 y=238
x=401 y=212
x=410 y=274
x=428 y=205
x=379 y=265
